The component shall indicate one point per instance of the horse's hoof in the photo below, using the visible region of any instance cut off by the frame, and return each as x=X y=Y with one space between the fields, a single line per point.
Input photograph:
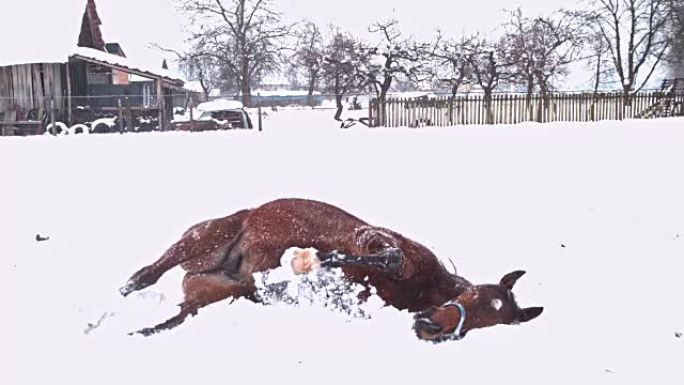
x=395 y=258
x=129 y=287
x=146 y=332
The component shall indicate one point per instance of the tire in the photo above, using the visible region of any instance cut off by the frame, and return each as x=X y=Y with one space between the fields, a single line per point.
x=59 y=128
x=79 y=129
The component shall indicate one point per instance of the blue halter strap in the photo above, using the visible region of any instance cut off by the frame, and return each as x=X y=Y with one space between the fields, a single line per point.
x=456 y=335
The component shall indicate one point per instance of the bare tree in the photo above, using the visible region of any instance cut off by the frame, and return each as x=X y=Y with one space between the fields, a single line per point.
x=488 y=62
x=523 y=51
x=341 y=67
x=635 y=33
x=198 y=66
x=448 y=63
x=675 y=57
x=308 y=57
x=540 y=50
x=243 y=35
x=392 y=58
x=598 y=59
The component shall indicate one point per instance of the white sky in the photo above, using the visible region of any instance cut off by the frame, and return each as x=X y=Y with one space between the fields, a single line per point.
x=137 y=23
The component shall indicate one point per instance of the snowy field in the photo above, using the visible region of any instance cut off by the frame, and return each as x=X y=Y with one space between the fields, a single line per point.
x=593 y=212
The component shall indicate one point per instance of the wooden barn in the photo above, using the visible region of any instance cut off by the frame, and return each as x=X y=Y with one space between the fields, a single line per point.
x=91 y=76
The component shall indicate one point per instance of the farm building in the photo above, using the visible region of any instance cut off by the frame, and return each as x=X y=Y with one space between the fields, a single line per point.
x=77 y=78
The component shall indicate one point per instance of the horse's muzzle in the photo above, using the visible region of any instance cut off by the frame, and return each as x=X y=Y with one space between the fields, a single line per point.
x=427 y=330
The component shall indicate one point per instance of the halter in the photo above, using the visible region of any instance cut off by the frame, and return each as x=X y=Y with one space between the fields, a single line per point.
x=456 y=334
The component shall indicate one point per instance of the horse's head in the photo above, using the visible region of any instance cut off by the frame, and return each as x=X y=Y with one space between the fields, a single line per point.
x=478 y=307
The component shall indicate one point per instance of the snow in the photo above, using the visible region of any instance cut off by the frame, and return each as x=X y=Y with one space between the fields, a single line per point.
x=319 y=288
x=592 y=211
x=128 y=63
x=203 y=110
x=194 y=86
x=220 y=105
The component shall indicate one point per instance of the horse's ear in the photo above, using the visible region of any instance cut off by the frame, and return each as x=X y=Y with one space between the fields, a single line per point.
x=509 y=279
x=530 y=313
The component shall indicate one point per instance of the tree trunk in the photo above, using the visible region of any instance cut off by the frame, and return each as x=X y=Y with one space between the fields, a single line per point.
x=597 y=84
x=626 y=112
x=543 y=97
x=528 y=97
x=454 y=90
x=627 y=94
x=382 y=97
x=246 y=92
x=489 y=116
x=340 y=107
x=245 y=84
x=312 y=86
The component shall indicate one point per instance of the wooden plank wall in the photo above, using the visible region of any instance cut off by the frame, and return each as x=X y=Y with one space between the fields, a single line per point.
x=27 y=86
x=6 y=89
x=22 y=83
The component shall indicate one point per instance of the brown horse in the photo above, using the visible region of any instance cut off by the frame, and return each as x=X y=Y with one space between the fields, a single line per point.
x=220 y=256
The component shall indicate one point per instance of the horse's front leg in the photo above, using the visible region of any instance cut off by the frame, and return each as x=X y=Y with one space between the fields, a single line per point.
x=389 y=259
x=307 y=260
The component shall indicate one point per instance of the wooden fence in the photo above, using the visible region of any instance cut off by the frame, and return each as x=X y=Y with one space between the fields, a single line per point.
x=517 y=108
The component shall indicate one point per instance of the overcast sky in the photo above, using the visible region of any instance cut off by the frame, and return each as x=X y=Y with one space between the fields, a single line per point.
x=417 y=17
x=138 y=23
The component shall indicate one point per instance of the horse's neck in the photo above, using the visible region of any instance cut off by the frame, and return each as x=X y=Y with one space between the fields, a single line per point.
x=460 y=284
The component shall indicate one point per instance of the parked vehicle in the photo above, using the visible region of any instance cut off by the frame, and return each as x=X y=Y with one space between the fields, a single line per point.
x=221 y=114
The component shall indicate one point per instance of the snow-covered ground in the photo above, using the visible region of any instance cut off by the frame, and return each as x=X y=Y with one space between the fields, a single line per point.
x=593 y=212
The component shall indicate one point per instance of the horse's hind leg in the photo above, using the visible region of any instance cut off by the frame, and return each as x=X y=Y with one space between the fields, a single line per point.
x=150 y=274
x=202 y=248
x=201 y=290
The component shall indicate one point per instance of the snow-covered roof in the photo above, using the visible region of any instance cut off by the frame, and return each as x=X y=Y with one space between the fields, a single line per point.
x=220 y=105
x=91 y=54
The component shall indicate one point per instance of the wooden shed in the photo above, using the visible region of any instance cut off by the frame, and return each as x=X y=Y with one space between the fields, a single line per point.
x=87 y=72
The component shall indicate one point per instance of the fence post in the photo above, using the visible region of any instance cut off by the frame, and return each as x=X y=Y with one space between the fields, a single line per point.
x=451 y=110
x=130 y=127
x=191 y=106
x=370 y=112
x=259 y=112
x=120 y=122
x=160 y=104
x=52 y=114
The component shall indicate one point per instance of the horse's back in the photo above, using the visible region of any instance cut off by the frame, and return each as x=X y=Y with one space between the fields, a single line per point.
x=303 y=223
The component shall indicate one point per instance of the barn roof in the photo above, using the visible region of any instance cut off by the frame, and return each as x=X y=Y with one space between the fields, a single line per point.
x=91 y=34
x=123 y=63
